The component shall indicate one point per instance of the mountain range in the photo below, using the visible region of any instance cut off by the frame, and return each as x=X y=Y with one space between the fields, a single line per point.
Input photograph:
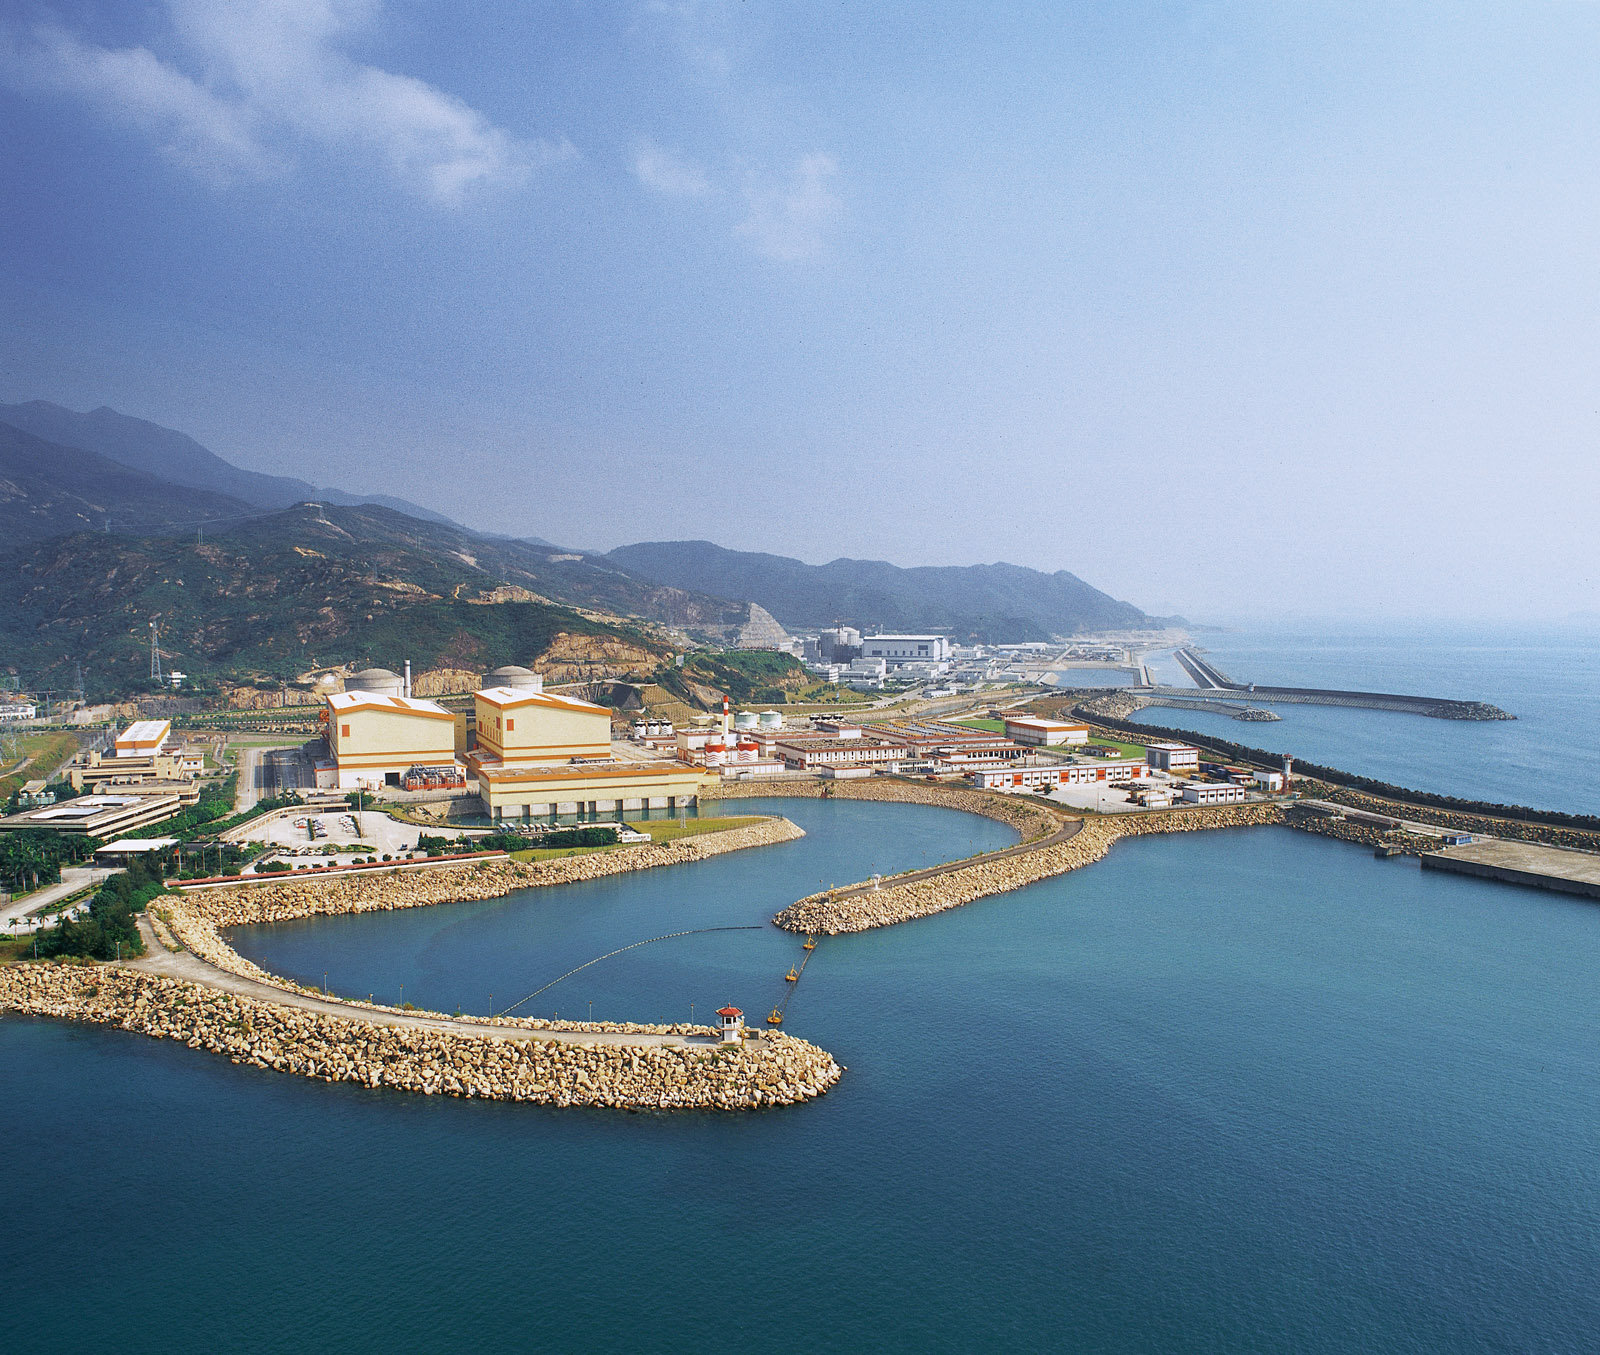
x=178 y=458
x=109 y=522
x=989 y=603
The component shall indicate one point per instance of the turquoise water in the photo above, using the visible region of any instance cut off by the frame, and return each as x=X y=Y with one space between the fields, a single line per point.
x=1549 y=757
x=1241 y=1091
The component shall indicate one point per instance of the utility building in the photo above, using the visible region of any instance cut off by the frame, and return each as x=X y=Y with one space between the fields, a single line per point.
x=1173 y=757
x=376 y=738
x=1043 y=733
x=541 y=756
x=144 y=738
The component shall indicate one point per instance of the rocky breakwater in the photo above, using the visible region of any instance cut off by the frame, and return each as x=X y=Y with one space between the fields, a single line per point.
x=864 y=907
x=498 y=1064
x=1364 y=834
x=197 y=918
x=1550 y=835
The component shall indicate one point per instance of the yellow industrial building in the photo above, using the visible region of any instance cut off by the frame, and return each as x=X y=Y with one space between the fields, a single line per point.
x=539 y=755
x=375 y=739
x=522 y=725
x=535 y=754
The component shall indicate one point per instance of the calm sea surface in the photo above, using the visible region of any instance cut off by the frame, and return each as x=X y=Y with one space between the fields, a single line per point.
x=1236 y=1091
x=1549 y=757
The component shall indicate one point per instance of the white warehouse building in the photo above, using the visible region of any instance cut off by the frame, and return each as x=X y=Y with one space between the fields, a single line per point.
x=898 y=649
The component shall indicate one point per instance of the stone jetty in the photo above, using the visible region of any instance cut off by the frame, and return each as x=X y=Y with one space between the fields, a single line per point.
x=499 y=1064
x=510 y=1059
x=863 y=909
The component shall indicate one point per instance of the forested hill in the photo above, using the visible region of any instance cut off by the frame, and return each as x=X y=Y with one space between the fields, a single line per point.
x=993 y=603
x=276 y=596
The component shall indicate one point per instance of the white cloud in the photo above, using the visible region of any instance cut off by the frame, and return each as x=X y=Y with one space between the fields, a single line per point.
x=266 y=75
x=788 y=220
x=668 y=172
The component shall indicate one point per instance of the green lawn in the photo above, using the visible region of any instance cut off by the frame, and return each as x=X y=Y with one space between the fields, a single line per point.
x=991 y=726
x=660 y=830
x=669 y=830
x=1131 y=751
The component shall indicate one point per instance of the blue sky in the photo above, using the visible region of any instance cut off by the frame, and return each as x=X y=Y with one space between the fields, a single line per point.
x=1229 y=308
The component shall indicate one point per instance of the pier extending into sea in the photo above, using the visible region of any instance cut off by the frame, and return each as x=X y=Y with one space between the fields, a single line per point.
x=1211 y=684
x=1522 y=863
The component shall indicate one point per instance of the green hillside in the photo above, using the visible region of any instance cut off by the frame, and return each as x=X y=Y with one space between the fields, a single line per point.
x=268 y=599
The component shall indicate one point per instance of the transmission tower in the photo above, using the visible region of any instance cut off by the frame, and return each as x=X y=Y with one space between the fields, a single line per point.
x=155 y=656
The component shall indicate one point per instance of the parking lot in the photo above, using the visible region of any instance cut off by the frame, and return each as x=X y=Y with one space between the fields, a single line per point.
x=322 y=836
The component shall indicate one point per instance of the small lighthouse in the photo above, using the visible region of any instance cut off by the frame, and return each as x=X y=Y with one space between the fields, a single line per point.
x=732 y=1025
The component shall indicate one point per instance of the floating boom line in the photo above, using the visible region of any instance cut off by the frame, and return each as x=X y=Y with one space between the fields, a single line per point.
x=698 y=931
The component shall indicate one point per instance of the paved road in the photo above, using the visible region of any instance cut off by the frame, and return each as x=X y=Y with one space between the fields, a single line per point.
x=247 y=792
x=184 y=965
x=14 y=918
x=1068 y=830
x=1410 y=825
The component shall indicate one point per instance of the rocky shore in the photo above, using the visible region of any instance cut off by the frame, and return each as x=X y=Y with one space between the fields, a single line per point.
x=500 y=1058
x=1549 y=834
x=892 y=903
x=1364 y=834
x=767 y=1071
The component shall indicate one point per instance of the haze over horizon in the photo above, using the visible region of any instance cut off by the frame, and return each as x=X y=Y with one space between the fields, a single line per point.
x=1230 y=309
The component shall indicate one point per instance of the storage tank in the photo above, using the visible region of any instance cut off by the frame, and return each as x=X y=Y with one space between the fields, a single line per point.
x=513 y=676
x=748 y=750
x=716 y=753
x=770 y=719
x=377 y=680
x=745 y=719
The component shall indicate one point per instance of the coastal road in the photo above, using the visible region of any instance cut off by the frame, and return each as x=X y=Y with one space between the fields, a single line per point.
x=1068 y=830
x=192 y=969
x=15 y=916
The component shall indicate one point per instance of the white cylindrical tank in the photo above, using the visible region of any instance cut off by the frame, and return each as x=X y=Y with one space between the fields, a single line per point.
x=745 y=719
x=770 y=719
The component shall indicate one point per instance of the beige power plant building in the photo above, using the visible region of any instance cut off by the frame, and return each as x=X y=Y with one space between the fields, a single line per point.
x=541 y=755
x=376 y=738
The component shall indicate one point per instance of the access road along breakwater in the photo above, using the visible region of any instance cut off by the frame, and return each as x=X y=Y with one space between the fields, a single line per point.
x=194 y=987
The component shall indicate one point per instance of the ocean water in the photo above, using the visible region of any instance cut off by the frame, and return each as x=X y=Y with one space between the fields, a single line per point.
x=1548 y=757
x=1234 y=1091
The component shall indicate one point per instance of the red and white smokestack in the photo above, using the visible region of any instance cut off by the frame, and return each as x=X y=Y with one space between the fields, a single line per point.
x=725 y=717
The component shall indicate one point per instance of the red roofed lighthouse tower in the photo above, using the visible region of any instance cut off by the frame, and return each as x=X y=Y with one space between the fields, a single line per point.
x=732 y=1025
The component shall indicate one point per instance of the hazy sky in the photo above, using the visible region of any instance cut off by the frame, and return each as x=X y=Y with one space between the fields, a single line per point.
x=1226 y=307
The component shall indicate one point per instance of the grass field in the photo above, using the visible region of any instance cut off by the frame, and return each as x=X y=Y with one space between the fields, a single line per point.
x=991 y=726
x=662 y=830
x=43 y=754
x=670 y=830
x=1132 y=751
